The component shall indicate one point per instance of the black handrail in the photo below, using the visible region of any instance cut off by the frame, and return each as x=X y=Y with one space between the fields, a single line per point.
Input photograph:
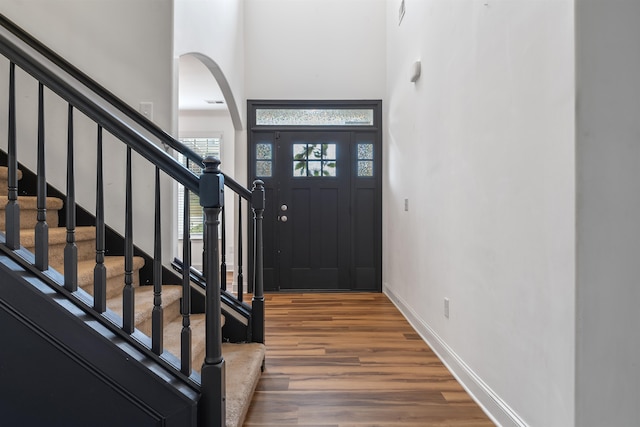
x=108 y=121
x=97 y=88
x=113 y=100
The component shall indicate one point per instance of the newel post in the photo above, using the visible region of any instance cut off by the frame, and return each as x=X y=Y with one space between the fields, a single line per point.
x=213 y=399
x=257 y=318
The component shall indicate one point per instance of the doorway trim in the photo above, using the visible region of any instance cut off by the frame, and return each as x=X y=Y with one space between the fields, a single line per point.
x=366 y=276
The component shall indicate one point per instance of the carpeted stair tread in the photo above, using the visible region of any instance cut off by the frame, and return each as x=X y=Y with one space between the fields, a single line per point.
x=58 y=235
x=243 y=367
x=31 y=203
x=172 y=340
x=197 y=324
x=4 y=178
x=85 y=238
x=4 y=173
x=170 y=298
x=114 y=265
x=143 y=298
x=29 y=211
x=115 y=274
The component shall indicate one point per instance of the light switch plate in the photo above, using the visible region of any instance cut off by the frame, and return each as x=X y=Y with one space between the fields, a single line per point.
x=146 y=108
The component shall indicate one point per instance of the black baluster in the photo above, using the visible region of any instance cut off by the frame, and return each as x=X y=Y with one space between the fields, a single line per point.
x=239 y=256
x=257 y=304
x=100 y=271
x=42 y=228
x=70 y=250
x=12 y=210
x=128 y=296
x=213 y=368
x=185 y=309
x=157 y=327
x=204 y=249
x=223 y=262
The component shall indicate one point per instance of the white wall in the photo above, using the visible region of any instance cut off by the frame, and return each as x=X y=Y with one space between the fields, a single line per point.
x=315 y=49
x=489 y=132
x=128 y=47
x=483 y=147
x=608 y=180
x=215 y=30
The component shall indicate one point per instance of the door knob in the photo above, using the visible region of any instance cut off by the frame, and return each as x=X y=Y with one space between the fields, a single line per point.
x=283 y=218
x=284 y=208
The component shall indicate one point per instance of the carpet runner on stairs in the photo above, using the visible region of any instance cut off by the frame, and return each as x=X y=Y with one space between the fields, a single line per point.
x=243 y=362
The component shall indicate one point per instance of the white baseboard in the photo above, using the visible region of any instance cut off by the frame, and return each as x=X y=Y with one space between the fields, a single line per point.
x=495 y=408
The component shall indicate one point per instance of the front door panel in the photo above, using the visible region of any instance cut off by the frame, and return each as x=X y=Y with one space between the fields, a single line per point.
x=313 y=203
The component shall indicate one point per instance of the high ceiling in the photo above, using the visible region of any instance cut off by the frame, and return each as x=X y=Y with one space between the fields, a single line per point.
x=198 y=89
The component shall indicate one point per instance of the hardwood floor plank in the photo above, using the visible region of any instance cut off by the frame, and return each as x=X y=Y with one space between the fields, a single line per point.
x=352 y=360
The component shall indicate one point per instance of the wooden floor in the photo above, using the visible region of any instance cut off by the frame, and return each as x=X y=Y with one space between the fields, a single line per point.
x=352 y=360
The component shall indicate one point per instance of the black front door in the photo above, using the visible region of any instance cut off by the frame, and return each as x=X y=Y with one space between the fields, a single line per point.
x=322 y=221
x=312 y=204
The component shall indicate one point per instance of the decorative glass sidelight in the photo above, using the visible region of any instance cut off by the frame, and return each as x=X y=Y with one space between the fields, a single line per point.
x=264 y=160
x=365 y=160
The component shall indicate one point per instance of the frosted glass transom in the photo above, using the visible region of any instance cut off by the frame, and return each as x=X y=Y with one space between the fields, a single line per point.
x=314 y=117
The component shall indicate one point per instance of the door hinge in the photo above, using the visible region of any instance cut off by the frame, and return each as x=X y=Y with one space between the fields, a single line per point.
x=277 y=134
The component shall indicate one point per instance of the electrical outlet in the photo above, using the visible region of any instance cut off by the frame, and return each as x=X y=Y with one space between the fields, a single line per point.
x=446 y=308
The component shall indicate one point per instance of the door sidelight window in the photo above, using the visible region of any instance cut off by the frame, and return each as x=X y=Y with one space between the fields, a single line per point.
x=365 y=160
x=264 y=160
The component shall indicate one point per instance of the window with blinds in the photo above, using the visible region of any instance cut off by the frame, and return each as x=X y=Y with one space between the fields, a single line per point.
x=209 y=146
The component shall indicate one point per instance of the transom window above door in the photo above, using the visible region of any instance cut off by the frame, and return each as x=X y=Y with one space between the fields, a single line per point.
x=314 y=116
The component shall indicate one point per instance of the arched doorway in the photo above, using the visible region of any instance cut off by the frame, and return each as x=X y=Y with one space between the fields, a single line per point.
x=206 y=124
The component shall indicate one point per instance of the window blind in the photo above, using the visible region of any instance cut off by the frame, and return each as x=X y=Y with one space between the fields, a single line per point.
x=205 y=146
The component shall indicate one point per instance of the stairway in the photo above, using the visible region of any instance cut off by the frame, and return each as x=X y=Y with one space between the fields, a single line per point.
x=243 y=362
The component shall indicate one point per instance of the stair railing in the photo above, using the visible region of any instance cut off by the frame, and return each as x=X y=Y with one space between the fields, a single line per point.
x=138 y=134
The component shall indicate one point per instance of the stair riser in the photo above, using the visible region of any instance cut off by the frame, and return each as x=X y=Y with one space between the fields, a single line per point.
x=4 y=184
x=29 y=218
x=86 y=251
x=197 y=358
x=171 y=312
x=115 y=284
